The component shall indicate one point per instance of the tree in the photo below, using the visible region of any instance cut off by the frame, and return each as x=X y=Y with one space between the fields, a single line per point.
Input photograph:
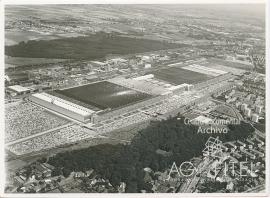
x=124 y=163
x=57 y=171
x=66 y=172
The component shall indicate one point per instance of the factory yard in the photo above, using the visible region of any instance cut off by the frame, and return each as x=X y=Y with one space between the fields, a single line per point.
x=71 y=134
x=104 y=95
x=42 y=130
x=25 y=119
x=67 y=135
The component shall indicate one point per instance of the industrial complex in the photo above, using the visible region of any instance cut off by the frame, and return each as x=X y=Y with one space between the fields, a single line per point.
x=135 y=98
x=96 y=101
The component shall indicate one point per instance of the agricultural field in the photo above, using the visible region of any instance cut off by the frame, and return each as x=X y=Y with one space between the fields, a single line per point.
x=179 y=76
x=15 y=37
x=89 y=47
x=21 y=61
x=104 y=95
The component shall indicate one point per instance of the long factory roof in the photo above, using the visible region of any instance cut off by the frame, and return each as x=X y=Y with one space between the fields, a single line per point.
x=18 y=88
x=64 y=104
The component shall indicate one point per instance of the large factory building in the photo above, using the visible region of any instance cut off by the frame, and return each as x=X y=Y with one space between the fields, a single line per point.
x=62 y=106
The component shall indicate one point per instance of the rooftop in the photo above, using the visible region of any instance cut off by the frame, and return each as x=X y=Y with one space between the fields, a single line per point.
x=63 y=103
x=18 y=88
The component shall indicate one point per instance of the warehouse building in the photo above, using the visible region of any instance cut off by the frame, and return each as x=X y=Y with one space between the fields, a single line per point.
x=247 y=112
x=243 y=107
x=145 y=77
x=62 y=106
x=255 y=117
x=18 y=90
x=258 y=109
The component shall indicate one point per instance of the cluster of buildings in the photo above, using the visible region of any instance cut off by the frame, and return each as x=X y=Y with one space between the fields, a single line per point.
x=167 y=98
x=252 y=114
x=15 y=90
x=41 y=180
x=146 y=84
x=254 y=83
x=240 y=58
x=32 y=174
x=67 y=73
x=230 y=167
x=240 y=165
x=204 y=41
x=247 y=101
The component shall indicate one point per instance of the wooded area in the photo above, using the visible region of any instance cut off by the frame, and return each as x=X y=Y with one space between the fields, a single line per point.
x=125 y=163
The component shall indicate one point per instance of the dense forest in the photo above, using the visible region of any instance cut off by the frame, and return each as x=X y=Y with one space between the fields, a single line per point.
x=126 y=162
x=88 y=47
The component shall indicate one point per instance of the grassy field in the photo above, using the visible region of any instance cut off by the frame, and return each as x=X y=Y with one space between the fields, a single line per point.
x=104 y=95
x=15 y=37
x=179 y=76
x=86 y=47
x=20 y=61
x=223 y=109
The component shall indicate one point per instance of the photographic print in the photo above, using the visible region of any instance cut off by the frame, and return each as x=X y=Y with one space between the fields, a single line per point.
x=135 y=98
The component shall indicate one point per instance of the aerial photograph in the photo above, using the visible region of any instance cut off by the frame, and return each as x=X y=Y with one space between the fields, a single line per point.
x=134 y=98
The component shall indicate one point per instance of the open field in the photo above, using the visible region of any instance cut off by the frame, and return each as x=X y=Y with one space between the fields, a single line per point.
x=20 y=61
x=104 y=95
x=179 y=76
x=15 y=37
x=86 y=47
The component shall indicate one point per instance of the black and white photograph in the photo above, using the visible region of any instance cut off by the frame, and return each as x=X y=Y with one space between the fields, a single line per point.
x=135 y=98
